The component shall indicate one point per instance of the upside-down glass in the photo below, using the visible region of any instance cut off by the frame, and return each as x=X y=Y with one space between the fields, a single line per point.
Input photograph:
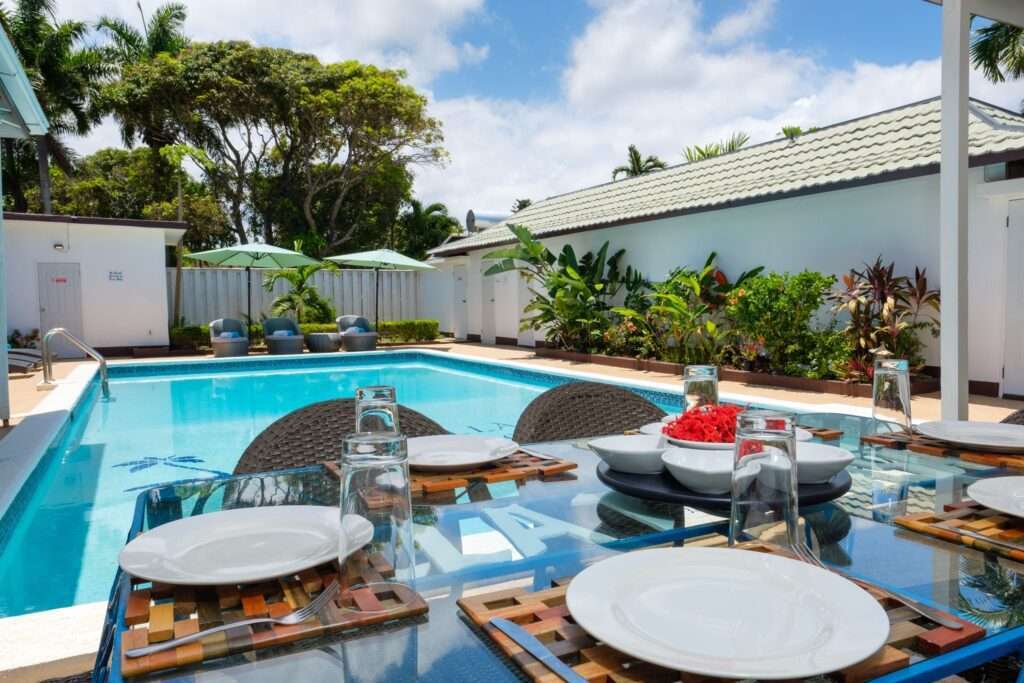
x=376 y=410
x=700 y=386
x=375 y=485
x=890 y=393
x=764 y=479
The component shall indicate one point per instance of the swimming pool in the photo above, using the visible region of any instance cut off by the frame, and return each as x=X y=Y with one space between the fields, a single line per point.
x=184 y=420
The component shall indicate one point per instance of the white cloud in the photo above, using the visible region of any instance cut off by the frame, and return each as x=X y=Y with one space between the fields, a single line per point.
x=753 y=18
x=411 y=34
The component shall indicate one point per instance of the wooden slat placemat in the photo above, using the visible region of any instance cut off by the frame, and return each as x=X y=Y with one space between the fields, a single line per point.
x=823 y=433
x=156 y=612
x=544 y=614
x=925 y=446
x=971 y=516
x=516 y=467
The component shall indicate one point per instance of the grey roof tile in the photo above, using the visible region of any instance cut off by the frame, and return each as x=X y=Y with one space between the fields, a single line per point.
x=902 y=139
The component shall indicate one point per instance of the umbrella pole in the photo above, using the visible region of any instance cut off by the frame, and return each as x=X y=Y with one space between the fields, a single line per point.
x=248 y=298
x=376 y=303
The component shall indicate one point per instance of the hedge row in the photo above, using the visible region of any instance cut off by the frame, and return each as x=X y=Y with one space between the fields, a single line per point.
x=196 y=336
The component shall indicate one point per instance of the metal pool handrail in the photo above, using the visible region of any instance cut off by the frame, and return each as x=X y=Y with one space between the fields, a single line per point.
x=48 y=357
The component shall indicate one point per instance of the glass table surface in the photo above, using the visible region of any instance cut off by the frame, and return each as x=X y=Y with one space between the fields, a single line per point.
x=527 y=534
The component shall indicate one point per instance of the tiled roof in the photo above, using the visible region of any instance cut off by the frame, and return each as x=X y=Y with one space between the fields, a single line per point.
x=902 y=141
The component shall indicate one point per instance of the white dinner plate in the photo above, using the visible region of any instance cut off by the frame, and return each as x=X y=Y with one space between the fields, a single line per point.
x=727 y=612
x=451 y=453
x=992 y=436
x=1003 y=494
x=244 y=545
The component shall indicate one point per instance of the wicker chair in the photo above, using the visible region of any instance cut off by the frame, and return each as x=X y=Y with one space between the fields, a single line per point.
x=1016 y=418
x=313 y=434
x=580 y=409
x=227 y=347
x=282 y=344
x=356 y=341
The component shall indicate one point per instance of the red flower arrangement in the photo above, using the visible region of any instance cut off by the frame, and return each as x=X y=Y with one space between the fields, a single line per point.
x=709 y=424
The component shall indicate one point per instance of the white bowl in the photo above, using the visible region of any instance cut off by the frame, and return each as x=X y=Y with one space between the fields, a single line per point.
x=700 y=470
x=816 y=463
x=633 y=453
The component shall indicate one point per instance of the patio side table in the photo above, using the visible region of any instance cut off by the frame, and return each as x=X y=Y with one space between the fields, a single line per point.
x=323 y=342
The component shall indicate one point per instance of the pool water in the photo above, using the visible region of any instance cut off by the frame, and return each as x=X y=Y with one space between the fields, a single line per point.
x=169 y=422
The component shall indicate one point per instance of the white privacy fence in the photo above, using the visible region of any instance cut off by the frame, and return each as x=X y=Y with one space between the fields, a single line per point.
x=211 y=293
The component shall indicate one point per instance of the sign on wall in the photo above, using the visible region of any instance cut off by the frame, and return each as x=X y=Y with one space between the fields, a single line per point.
x=116 y=276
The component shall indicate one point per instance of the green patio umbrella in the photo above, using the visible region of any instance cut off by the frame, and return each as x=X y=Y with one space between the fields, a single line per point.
x=377 y=259
x=250 y=256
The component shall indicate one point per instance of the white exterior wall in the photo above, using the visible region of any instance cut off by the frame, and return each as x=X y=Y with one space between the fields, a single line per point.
x=830 y=232
x=130 y=312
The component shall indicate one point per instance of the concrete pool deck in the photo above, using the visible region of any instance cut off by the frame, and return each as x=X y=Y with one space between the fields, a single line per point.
x=74 y=631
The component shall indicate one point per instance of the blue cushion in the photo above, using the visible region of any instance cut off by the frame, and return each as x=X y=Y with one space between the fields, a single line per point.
x=228 y=335
x=355 y=330
x=282 y=333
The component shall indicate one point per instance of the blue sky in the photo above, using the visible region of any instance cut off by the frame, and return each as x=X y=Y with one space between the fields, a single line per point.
x=529 y=45
x=542 y=97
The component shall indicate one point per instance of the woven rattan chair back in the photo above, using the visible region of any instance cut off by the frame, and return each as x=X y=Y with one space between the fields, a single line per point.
x=581 y=409
x=1016 y=418
x=314 y=434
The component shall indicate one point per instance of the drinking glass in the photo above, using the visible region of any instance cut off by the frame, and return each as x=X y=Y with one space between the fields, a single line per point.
x=700 y=386
x=375 y=486
x=890 y=394
x=764 y=481
x=376 y=410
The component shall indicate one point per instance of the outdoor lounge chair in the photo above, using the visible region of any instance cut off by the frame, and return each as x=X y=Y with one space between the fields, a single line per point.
x=313 y=434
x=356 y=341
x=282 y=335
x=581 y=409
x=27 y=354
x=22 y=365
x=225 y=346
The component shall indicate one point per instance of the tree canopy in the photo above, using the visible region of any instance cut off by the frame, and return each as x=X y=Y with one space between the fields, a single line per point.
x=284 y=147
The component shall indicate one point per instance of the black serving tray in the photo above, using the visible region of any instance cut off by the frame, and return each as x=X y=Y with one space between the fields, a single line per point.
x=664 y=488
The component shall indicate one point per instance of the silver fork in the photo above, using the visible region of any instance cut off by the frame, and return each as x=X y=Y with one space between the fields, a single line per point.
x=808 y=556
x=296 y=617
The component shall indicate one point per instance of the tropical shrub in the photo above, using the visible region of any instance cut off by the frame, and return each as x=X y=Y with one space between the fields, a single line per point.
x=887 y=313
x=409 y=330
x=774 y=317
x=571 y=296
x=29 y=340
x=302 y=300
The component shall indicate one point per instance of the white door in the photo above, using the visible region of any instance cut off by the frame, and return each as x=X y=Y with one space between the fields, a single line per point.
x=460 y=315
x=60 y=303
x=1013 y=360
x=487 y=307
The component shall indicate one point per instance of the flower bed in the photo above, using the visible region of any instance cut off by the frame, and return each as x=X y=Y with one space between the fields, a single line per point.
x=919 y=385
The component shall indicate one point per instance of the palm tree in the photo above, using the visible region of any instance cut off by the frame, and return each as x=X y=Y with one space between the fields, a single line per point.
x=714 y=149
x=161 y=34
x=998 y=50
x=638 y=165
x=302 y=299
x=423 y=227
x=66 y=78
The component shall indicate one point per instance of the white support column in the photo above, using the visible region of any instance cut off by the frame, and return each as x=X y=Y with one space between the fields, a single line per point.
x=956 y=20
x=5 y=397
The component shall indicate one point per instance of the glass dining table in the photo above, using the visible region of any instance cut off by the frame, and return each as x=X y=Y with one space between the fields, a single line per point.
x=527 y=534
